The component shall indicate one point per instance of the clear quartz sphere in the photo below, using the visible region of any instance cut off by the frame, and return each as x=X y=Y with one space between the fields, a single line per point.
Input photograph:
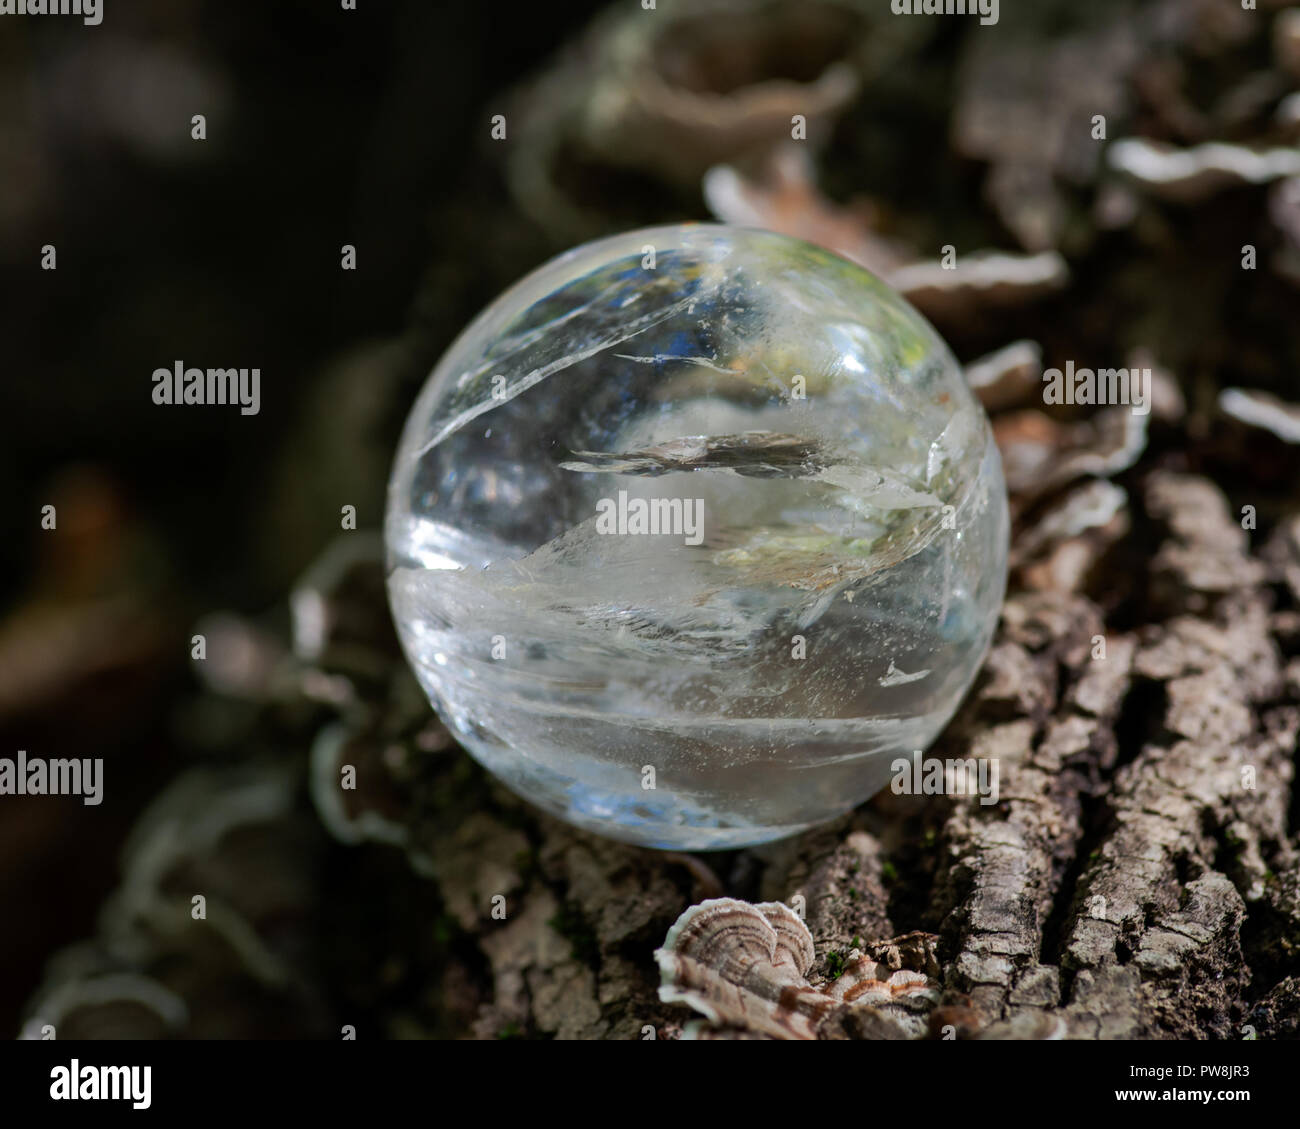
x=693 y=532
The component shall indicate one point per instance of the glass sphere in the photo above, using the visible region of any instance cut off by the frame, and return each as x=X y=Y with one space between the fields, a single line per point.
x=693 y=532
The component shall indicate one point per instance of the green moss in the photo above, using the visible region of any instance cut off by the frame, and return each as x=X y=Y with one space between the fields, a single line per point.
x=836 y=963
x=573 y=927
x=444 y=928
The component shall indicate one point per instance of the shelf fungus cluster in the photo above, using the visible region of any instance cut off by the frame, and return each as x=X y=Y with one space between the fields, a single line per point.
x=745 y=969
x=651 y=103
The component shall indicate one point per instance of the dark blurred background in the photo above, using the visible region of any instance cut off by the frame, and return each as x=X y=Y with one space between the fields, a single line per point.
x=324 y=127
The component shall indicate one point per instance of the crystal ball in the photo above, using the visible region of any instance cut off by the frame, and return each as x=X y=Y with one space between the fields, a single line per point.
x=693 y=532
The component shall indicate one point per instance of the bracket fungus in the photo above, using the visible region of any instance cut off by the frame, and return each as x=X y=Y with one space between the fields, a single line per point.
x=745 y=969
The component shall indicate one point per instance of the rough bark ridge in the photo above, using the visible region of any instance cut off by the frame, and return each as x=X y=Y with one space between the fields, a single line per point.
x=1146 y=800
